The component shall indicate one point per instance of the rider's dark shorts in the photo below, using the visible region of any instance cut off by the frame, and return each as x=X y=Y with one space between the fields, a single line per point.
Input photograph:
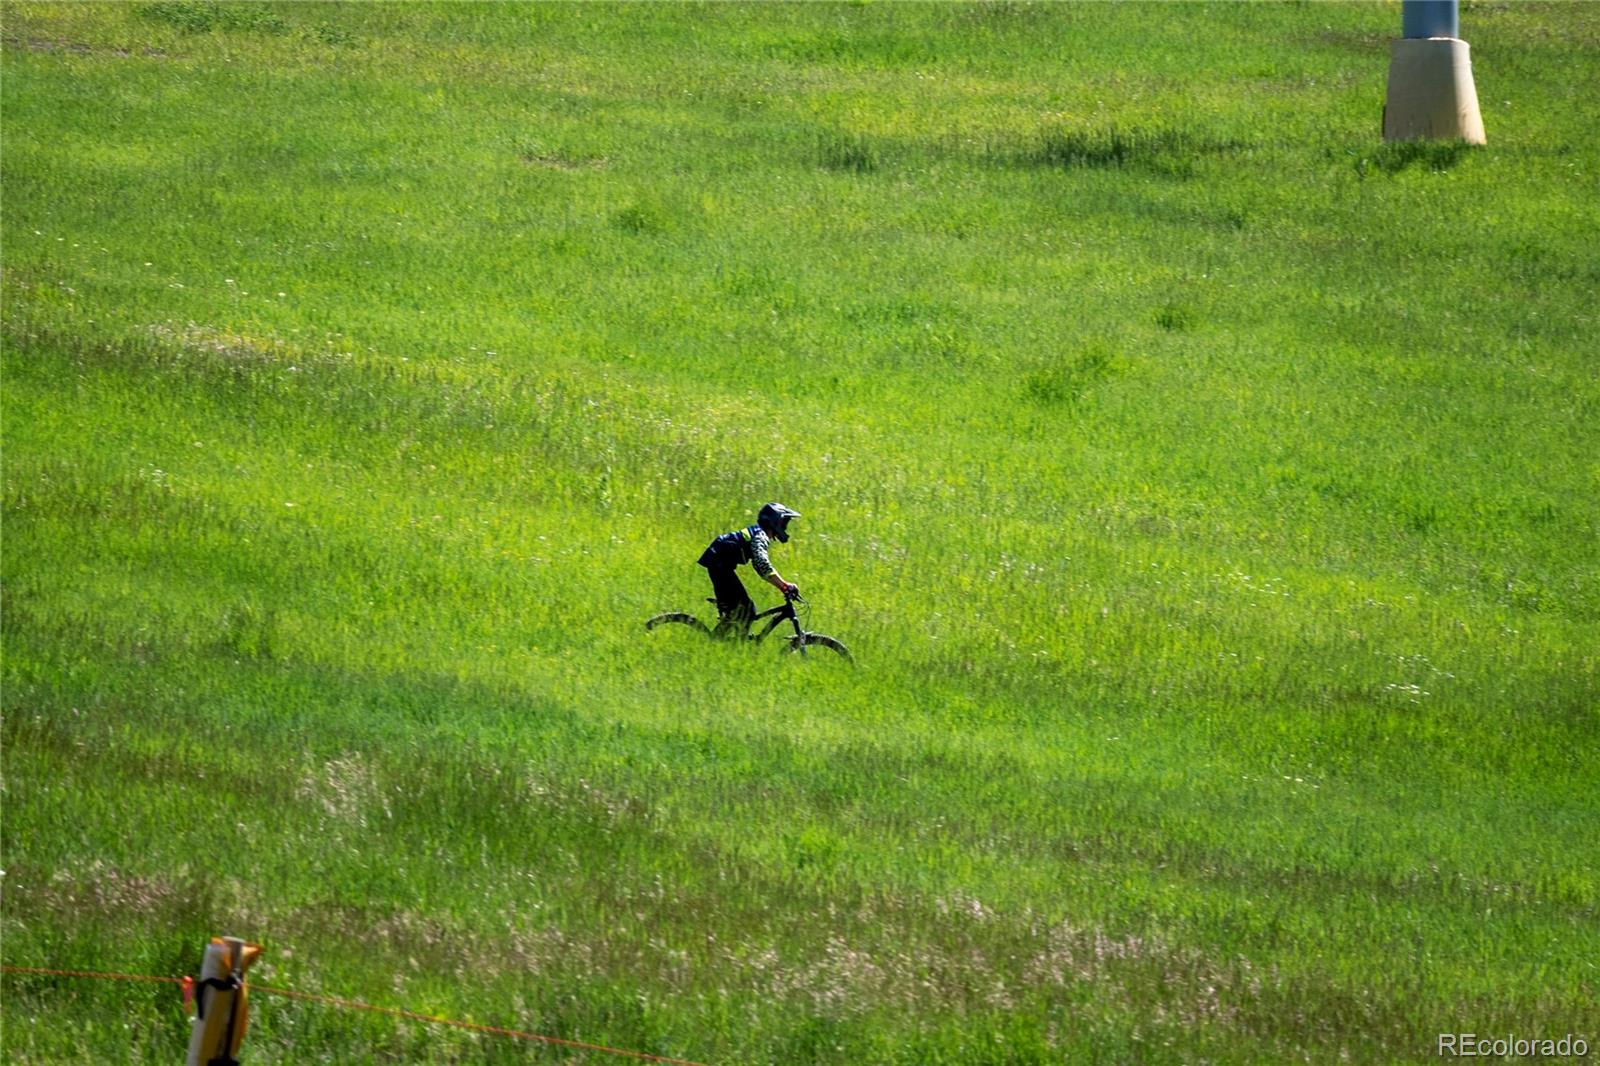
x=732 y=600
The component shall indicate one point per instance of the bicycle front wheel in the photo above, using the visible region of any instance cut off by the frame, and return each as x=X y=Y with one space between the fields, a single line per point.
x=807 y=641
x=680 y=617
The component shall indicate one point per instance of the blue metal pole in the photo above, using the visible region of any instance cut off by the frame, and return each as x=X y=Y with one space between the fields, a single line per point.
x=1429 y=18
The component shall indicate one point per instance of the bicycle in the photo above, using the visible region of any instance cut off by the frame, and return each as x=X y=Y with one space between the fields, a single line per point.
x=775 y=616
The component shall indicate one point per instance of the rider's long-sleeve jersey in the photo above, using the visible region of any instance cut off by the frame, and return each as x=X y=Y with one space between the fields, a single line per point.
x=758 y=551
x=748 y=545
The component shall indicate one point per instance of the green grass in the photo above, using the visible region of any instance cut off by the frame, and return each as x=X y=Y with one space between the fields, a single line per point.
x=1207 y=490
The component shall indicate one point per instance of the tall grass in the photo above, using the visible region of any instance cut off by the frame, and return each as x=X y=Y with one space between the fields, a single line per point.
x=1207 y=492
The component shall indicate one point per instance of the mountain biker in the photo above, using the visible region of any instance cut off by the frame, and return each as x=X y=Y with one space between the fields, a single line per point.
x=747 y=545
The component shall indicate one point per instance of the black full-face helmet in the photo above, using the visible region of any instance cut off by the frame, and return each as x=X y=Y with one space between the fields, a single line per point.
x=774 y=519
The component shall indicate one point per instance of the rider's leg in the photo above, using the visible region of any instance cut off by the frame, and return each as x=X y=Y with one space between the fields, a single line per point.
x=733 y=602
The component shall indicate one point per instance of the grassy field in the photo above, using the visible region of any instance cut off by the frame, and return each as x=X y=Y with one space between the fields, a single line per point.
x=1209 y=492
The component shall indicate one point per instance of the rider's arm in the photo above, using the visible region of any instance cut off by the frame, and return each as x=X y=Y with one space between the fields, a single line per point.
x=762 y=564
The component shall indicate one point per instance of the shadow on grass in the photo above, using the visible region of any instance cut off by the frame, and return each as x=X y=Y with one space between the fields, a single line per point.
x=1395 y=156
x=1152 y=149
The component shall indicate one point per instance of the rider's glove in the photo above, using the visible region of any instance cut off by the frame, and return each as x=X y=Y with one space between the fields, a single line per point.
x=791 y=590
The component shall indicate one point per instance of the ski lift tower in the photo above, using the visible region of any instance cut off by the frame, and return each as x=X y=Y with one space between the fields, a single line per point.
x=1431 y=96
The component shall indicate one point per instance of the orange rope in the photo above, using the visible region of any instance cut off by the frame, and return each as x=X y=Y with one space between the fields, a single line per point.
x=89 y=973
x=350 y=1004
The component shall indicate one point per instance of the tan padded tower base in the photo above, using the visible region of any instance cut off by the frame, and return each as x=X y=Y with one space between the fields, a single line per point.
x=1431 y=96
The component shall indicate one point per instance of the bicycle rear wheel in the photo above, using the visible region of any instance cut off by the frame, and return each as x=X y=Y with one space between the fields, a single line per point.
x=818 y=640
x=681 y=617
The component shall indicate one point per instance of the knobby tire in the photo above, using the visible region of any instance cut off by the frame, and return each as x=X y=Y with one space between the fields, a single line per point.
x=682 y=618
x=818 y=640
